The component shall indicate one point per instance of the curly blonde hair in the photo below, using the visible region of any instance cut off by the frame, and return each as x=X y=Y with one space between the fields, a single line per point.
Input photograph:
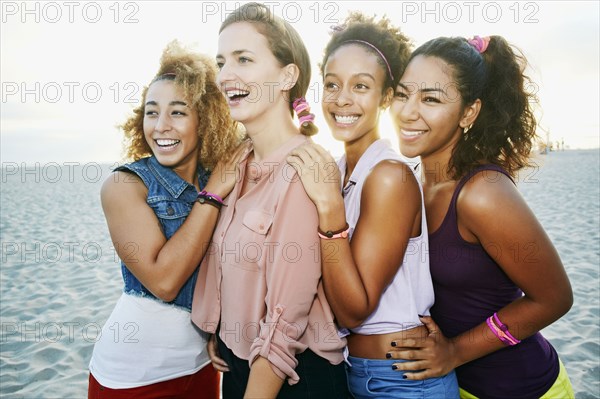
x=196 y=75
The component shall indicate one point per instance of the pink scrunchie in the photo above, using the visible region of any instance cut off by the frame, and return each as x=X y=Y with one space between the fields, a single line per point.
x=480 y=43
x=300 y=104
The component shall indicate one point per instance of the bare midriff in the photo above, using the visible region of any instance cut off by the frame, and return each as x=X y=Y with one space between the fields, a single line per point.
x=376 y=346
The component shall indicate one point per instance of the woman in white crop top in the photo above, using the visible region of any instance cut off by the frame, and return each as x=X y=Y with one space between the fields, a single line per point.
x=371 y=218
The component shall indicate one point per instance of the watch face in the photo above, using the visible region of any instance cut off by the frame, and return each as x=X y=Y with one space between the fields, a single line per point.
x=202 y=200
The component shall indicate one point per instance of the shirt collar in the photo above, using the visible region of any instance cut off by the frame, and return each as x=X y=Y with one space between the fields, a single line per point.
x=171 y=181
x=258 y=170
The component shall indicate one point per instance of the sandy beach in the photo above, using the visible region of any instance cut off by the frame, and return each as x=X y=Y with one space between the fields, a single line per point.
x=60 y=277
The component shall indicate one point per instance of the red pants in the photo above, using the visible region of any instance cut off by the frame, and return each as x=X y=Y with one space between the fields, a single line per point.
x=202 y=385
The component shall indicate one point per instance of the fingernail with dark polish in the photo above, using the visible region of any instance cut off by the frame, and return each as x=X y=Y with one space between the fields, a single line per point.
x=394 y=367
x=388 y=355
x=393 y=343
x=404 y=377
x=420 y=315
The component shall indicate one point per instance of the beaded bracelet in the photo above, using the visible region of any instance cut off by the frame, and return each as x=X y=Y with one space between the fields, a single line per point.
x=496 y=331
x=214 y=196
x=504 y=328
x=506 y=340
x=501 y=332
x=329 y=235
x=205 y=197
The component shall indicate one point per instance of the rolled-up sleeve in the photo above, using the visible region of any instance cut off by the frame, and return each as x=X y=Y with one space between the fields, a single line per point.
x=292 y=274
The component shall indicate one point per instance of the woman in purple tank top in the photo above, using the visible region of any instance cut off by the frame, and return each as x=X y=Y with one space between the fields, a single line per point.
x=461 y=105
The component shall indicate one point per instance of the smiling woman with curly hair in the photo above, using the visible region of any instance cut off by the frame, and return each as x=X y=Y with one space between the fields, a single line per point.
x=462 y=106
x=161 y=210
x=195 y=75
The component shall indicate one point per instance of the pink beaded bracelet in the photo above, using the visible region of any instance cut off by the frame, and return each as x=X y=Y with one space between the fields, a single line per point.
x=504 y=328
x=501 y=331
x=204 y=193
x=205 y=197
x=496 y=331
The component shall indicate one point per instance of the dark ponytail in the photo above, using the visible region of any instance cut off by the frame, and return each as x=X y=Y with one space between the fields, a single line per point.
x=505 y=129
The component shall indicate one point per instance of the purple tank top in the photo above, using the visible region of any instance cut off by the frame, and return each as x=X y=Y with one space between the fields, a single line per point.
x=469 y=287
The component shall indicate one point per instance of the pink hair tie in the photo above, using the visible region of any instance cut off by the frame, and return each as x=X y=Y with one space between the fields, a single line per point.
x=306 y=118
x=480 y=43
x=300 y=101
x=300 y=105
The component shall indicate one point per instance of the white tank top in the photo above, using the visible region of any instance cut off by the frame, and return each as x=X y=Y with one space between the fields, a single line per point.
x=145 y=341
x=411 y=291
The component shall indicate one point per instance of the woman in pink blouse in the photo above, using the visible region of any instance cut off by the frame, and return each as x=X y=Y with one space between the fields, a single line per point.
x=259 y=287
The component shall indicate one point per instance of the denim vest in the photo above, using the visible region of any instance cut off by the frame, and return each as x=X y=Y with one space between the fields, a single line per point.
x=171 y=198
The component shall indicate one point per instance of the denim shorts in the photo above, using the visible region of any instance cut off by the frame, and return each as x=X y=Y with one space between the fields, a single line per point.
x=374 y=378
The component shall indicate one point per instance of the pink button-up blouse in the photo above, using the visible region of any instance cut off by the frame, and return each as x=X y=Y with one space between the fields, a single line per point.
x=260 y=281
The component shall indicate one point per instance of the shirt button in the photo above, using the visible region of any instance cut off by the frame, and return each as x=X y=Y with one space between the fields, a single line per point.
x=262 y=226
x=170 y=211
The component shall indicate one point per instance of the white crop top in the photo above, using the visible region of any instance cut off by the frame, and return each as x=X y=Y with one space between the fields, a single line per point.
x=411 y=291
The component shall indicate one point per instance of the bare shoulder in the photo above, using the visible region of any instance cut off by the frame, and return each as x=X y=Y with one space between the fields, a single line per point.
x=489 y=194
x=122 y=187
x=392 y=173
x=392 y=180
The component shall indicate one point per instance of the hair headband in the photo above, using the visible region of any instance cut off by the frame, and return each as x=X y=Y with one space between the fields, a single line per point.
x=480 y=43
x=378 y=52
x=164 y=76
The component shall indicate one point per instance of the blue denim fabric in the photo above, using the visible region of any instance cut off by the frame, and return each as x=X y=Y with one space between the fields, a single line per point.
x=369 y=378
x=172 y=199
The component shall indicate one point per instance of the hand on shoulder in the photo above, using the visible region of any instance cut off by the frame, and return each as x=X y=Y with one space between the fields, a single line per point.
x=319 y=174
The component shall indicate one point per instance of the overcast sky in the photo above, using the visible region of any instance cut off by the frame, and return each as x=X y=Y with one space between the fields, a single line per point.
x=71 y=71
